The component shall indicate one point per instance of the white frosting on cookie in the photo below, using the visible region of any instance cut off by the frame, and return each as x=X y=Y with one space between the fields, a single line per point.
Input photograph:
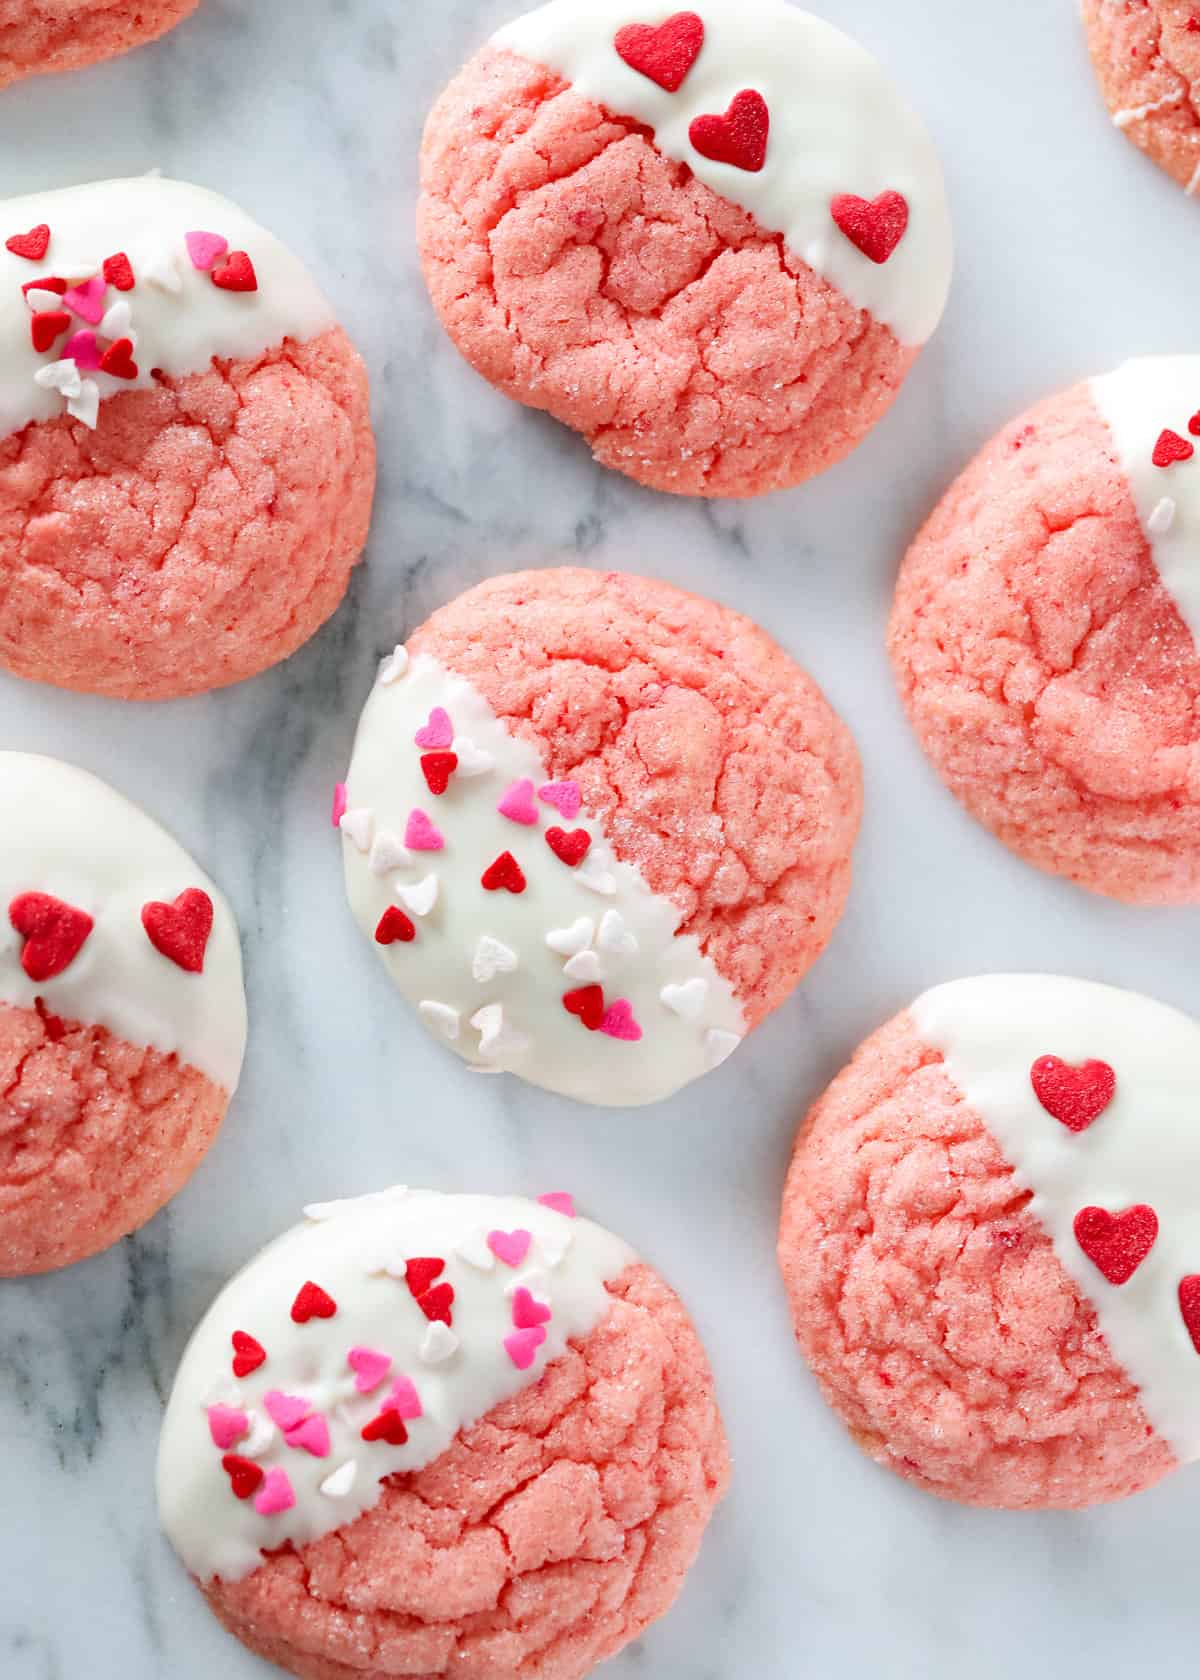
x=837 y=125
x=1140 y=401
x=1143 y=1148
x=488 y=970
x=177 y=318
x=72 y=837
x=449 y=1375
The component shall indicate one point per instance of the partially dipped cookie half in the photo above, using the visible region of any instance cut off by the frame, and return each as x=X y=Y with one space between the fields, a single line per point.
x=37 y=38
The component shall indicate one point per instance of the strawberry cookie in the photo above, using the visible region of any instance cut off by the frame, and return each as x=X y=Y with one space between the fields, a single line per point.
x=442 y=1435
x=186 y=457
x=39 y=36
x=991 y=1242
x=1147 y=58
x=122 y=1015
x=596 y=829
x=711 y=241
x=1044 y=634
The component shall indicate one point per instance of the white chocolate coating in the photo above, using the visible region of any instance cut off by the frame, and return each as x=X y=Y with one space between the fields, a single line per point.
x=177 y=331
x=70 y=835
x=443 y=971
x=346 y=1248
x=1143 y=1148
x=1140 y=401
x=837 y=126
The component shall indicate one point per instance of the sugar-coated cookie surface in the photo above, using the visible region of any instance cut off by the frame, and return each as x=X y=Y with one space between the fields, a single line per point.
x=122 y=1014
x=1147 y=59
x=39 y=36
x=430 y=1434
x=990 y=1241
x=712 y=241
x=596 y=828
x=1044 y=634
x=186 y=458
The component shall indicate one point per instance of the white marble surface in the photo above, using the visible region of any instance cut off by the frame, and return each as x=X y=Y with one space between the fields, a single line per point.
x=1073 y=254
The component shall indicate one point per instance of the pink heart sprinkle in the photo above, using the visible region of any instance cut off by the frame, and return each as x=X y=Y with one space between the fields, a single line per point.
x=87 y=301
x=312 y=1435
x=517 y=804
x=509 y=1246
x=227 y=1424
x=204 y=249
x=275 y=1494
x=438 y=732
x=287 y=1410
x=521 y=1347
x=564 y=796
x=369 y=1367
x=618 y=1022
x=528 y=1313
x=420 y=835
x=560 y=1200
x=404 y=1399
x=339 y=803
x=82 y=349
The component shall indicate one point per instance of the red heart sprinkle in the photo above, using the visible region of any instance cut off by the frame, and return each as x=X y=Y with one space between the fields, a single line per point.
x=32 y=245
x=51 y=283
x=388 y=1426
x=394 y=926
x=118 y=271
x=312 y=1302
x=419 y=1274
x=54 y=933
x=437 y=1302
x=235 y=274
x=739 y=137
x=571 y=848
x=248 y=1354
x=665 y=54
x=118 y=360
x=437 y=768
x=47 y=326
x=244 y=1475
x=1117 y=1243
x=1189 y=1306
x=1171 y=448
x=505 y=872
x=1194 y=425
x=873 y=226
x=1074 y=1095
x=180 y=931
x=588 y=1003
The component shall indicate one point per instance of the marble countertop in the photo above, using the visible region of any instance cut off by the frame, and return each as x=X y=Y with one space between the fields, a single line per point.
x=1073 y=254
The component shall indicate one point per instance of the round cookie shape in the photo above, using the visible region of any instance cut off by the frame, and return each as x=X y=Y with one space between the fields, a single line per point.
x=462 y=1405
x=122 y=1015
x=712 y=241
x=1044 y=634
x=596 y=829
x=186 y=458
x=991 y=1247
x=1147 y=60
x=37 y=39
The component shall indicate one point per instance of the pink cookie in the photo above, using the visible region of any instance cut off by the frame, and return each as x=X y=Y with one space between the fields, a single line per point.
x=1044 y=634
x=991 y=1242
x=522 y=1518
x=39 y=36
x=181 y=506
x=616 y=954
x=606 y=238
x=122 y=1015
x=1147 y=58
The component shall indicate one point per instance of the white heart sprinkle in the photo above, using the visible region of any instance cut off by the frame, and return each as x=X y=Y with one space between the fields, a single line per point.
x=440 y=1018
x=116 y=322
x=613 y=936
x=535 y=1280
x=86 y=268
x=439 y=1344
x=492 y=958
x=262 y=1433
x=554 y=1253
x=358 y=825
x=718 y=1045
x=62 y=377
x=584 y=966
x=568 y=942
x=1163 y=517
x=379 y=1258
x=686 y=1000
x=596 y=878
x=475 y=1251
x=420 y=899
x=331 y=1210
x=338 y=1485
x=395 y=665
x=158 y=268
x=388 y=852
x=40 y=300
x=497 y=1040
x=472 y=760
x=85 y=407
